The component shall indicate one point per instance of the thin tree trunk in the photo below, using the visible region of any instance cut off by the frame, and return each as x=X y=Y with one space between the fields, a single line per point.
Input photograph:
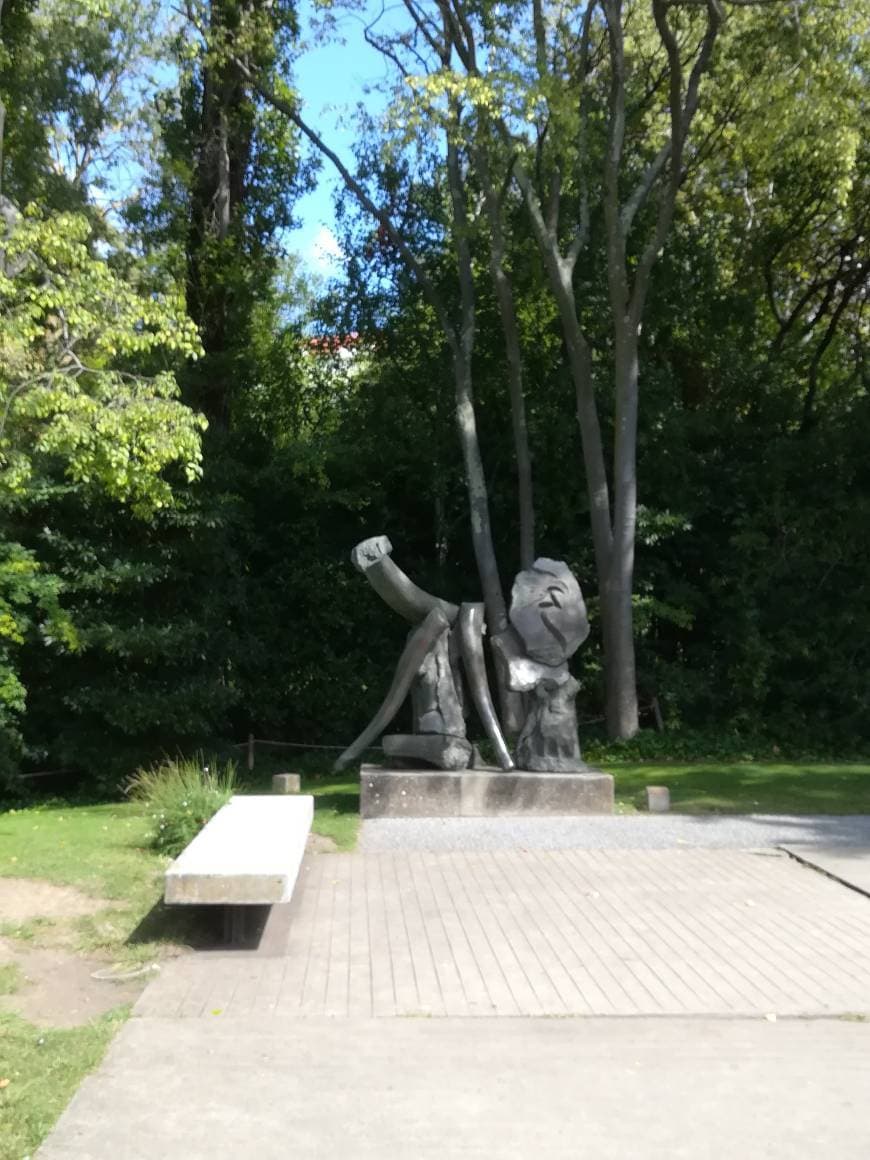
x=580 y=363
x=510 y=330
x=620 y=670
x=462 y=348
x=478 y=497
x=559 y=272
x=460 y=340
x=613 y=542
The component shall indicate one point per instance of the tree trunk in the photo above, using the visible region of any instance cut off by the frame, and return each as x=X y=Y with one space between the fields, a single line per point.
x=613 y=544
x=580 y=363
x=620 y=673
x=620 y=678
x=461 y=340
x=217 y=199
x=478 y=498
x=510 y=329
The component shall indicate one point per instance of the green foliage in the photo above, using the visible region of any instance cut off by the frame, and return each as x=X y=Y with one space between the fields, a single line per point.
x=721 y=742
x=89 y=344
x=234 y=607
x=71 y=327
x=181 y=795
x=75 y=413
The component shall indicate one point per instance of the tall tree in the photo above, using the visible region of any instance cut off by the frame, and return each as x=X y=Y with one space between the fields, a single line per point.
x=237 y=205
x=611 y=96
x=458 y=325
x=88 y=347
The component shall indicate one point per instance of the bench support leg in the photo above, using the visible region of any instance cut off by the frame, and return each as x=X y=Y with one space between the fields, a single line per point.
x=234 y=924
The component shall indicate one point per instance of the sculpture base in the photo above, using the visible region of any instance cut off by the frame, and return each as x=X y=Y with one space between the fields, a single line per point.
x=481 y=793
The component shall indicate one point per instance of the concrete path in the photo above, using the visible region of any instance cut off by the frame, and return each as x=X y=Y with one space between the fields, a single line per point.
x=737 y=986
x=267 y=1088
x=847 y=864
x=627 y=832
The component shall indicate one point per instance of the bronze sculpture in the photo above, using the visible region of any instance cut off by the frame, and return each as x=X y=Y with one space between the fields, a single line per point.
x=548 y=623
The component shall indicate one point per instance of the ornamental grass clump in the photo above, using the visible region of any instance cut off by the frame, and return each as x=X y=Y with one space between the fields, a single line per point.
x=182 y=794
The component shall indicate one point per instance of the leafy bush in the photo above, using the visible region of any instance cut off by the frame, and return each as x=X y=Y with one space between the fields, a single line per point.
x=182 y=794
x=724 y=743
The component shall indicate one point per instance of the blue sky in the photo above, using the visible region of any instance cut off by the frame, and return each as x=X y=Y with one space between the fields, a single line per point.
x=330 y=79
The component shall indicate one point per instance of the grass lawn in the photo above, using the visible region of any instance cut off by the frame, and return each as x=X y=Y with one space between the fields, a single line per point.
x=39 y=1071
x=747 y=787
x=10 y=979
x=102 y=850
x=336 y=803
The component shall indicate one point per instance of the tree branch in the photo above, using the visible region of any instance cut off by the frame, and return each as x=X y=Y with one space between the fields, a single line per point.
x=827 y=338
x=682 y=114
x=411 y=260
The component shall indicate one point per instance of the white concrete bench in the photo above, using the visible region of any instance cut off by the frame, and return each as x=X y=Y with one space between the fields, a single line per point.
x=249 y=854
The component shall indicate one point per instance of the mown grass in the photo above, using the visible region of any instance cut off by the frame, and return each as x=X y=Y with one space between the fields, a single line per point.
x=747 y=787
x=336 y=806
x=10 y=978
x=102 y=850
x=39 y=1071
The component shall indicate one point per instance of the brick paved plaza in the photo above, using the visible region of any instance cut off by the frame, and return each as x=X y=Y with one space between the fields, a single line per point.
x=661 y=932
x=656 y=1004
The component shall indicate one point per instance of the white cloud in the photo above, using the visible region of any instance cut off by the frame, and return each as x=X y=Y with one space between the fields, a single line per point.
x=324 y=250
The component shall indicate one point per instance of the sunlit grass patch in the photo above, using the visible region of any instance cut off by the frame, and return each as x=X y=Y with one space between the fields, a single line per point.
x=39 y=1071
x=748 y=787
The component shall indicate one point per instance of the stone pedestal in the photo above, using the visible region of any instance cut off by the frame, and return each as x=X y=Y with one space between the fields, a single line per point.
x=481 y=793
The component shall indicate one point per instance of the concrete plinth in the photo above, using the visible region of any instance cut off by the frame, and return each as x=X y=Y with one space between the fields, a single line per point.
x=481 y=793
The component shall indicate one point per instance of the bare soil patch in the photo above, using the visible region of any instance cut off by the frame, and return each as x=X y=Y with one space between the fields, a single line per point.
x=320 y=844
x=58 y=988
x=22 y=899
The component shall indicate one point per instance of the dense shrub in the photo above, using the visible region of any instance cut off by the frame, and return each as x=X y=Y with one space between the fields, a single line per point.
x=182 y=794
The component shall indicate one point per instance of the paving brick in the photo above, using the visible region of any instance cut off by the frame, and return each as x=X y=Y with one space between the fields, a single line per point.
x=544 y=932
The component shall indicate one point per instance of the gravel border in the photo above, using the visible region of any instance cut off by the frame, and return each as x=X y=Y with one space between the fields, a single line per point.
x=627 y=832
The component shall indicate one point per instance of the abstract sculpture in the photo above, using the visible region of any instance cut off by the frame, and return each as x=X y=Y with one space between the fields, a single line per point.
x=548 y=623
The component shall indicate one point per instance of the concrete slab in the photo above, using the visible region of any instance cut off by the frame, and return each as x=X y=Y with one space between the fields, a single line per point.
x=849 y=865
x=249 y=854
x=482 y=793
x=457 y=1089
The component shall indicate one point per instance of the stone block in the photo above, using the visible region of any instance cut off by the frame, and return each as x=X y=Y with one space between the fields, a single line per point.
x=475 y=793
x=658 y=799
x=440 y=750
x=286 y=783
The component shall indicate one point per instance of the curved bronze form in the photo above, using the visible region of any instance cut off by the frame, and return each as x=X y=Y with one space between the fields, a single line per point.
x=372 y=558
x=413 y=655
x=471 y=629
